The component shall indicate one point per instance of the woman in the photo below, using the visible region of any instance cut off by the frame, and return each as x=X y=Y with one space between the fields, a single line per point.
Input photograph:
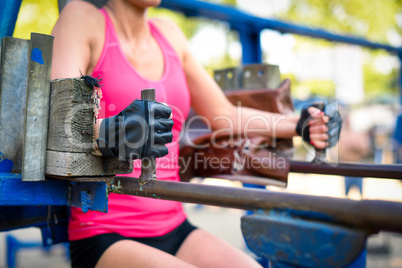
x=131 y=52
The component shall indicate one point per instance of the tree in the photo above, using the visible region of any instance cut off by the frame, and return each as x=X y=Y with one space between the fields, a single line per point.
x=36 y=16
x=192 y=25
x=369 y=19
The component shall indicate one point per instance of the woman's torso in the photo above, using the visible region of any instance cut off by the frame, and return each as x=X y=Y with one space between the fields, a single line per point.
x=122 y=83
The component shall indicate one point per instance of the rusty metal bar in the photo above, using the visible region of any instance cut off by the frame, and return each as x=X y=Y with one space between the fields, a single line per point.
x=372 y=215
x=346 y=169
x=251 y=180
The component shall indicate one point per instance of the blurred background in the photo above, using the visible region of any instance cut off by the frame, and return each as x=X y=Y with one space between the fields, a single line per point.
x=365 y=83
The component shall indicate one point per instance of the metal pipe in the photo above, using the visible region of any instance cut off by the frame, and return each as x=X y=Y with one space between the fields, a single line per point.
x=148 y=165
x=372 y=215
x=345 y=169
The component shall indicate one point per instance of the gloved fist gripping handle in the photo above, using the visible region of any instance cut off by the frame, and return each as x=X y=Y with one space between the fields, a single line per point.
x=333 y=125
x=139 y=131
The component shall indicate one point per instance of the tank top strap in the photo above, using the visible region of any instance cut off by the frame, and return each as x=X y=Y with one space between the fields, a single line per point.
x=110 y=34
x=162 y=41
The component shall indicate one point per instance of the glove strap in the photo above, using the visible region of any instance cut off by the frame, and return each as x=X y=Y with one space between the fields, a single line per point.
x=144 y=147
x=103 y=144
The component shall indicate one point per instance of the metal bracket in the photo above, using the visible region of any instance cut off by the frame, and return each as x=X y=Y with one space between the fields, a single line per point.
x=13 y=88
x=24 y=103
x=37 y=108
x=252 y=76
x=88 y=196
x=14 y=192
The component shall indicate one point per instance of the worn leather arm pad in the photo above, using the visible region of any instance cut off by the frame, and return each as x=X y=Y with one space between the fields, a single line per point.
x=223 y=154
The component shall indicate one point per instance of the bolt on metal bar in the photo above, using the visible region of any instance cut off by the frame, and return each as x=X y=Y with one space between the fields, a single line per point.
x=346 y=169
x=372 y=215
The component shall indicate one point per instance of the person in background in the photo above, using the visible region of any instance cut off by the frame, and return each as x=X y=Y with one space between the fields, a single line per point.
x=354 y=147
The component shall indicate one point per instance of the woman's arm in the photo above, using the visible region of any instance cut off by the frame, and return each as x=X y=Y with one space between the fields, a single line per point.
x=208 y=100
x=78 y=40
x=77 y=35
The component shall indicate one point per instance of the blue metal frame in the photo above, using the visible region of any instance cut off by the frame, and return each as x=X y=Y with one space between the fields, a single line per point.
x=13 y=245
x=290 y=241
x=8 y=16
x=45 y=204
x=87 y=195
x=15 y=192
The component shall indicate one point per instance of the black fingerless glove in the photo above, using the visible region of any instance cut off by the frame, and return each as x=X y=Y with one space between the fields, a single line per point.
x=334 y=124
x=139 y=131
x=302 y=127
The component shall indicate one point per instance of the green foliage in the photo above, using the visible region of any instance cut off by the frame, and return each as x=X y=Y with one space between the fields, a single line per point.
x=189 y=26
x=223 y=2
x=373 y=20
x=379 y=84
x=370 y=19
x=36 y=16
x=305 y=89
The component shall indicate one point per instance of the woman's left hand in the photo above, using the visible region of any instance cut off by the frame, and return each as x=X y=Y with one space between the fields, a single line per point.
x=318 y=129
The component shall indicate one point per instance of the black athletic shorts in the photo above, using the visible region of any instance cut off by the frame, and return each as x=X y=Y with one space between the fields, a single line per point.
x=85 y=253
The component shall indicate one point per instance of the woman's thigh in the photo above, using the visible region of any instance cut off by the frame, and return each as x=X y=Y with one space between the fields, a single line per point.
x=203 y=249
x=127 y=253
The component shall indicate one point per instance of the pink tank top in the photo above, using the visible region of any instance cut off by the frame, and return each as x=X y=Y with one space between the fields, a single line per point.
x=133 y=216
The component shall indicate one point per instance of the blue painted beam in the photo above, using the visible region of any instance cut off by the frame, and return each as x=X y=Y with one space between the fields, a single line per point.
x=251 y=46
x=44 y=204
x=8 y=16
x=15 y=192
x=397 y=138
x=13 y=245
x=400 y=80
x=237 y=18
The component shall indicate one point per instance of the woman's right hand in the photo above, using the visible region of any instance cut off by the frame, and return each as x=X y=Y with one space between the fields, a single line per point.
x=139 y=131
